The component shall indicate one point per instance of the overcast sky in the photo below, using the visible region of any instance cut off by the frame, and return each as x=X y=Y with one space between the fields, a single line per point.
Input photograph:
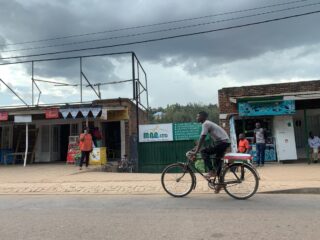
x=182 y=70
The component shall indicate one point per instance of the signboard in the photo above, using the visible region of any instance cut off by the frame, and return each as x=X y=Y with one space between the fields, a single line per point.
x=52 y=113
x=23 y=119
x=117 y=115
x=186 y=131
x=156 y=132
x=267 y=109
x=4 y=116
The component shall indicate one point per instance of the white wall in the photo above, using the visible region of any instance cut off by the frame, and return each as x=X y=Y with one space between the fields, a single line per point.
x=283 y=130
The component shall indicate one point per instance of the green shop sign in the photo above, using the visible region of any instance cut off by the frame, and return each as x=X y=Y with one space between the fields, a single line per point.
x=186 y=131
x=169 y=132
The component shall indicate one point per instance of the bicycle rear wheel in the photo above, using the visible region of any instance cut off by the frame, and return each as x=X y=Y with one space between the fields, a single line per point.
x=177 y=180
x=241 y=181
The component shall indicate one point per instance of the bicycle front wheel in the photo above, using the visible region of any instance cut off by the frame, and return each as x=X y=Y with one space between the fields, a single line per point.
x=241 y=181
x=177 y=180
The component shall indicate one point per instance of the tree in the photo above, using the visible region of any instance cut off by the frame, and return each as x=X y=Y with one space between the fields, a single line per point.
x=188 y=113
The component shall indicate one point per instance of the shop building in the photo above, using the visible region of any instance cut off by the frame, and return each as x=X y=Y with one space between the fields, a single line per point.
x=50 y=126
x=40 y=132
x=289 y=111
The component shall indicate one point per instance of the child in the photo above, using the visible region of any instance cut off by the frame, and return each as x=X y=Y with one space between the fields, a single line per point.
x=244 y=146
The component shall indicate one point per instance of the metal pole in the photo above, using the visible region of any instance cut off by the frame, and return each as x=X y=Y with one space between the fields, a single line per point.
x=135 y=94
x=27 y=143
x=32 y=86
x=99 y=91
x=306 y=135
x=147 y=91
x=81 y=79
x=133 y=77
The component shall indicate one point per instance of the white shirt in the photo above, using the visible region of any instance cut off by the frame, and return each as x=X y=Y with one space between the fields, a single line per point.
x=314 y=142
x=216 y=132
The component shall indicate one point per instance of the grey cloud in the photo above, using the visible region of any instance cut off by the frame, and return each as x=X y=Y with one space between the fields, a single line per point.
x=212 y=54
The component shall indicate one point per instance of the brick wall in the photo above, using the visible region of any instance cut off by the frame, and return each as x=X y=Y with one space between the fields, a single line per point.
x=262 y=90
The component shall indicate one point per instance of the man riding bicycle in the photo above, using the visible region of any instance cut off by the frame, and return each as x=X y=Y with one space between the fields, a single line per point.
x=221 y=143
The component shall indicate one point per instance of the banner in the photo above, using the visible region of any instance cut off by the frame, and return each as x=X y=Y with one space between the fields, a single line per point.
x=95 y=111
x=65 y=113
x=74 y=112
x=267 y=109
x=4 y=116
x=85 y=111
x=52 y=113
x=156 y=133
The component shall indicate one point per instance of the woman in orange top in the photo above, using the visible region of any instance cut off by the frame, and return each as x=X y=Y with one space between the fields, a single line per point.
x=85 y=147
x=244 y=146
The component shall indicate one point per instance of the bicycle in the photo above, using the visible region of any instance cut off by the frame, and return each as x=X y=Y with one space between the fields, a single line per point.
x=126 y=165
x=238 y=179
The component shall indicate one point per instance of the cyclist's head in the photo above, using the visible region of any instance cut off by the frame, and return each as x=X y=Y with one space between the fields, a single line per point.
x=202 y=116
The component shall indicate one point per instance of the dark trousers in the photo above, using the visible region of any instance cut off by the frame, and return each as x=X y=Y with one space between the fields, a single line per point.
x=218 y=150
x=84 y=155
x=261 y=149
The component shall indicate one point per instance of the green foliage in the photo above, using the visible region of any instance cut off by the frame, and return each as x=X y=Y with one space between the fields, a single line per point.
x=178 y=113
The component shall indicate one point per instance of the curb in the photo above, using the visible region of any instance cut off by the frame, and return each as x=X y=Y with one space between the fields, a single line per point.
x=294 y=191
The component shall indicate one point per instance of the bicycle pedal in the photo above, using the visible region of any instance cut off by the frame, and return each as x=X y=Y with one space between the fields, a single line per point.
x=211 y=184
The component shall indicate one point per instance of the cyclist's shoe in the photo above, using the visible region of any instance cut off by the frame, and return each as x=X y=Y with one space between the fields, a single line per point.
x=217 y=189
x=210 y=174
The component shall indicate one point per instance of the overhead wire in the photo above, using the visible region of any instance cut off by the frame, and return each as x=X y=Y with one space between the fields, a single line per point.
x=164 y=30
x=168 y=37
x=155 y=24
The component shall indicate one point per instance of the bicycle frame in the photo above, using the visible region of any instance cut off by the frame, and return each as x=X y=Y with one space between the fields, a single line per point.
x=193 y=169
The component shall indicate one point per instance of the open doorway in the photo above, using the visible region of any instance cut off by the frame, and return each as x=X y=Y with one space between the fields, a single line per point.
x=64 y=141
x=112 y=137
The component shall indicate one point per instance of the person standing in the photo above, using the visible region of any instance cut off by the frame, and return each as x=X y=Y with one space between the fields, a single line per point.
x=260 y=141
x=314 y=144
x=85 y=147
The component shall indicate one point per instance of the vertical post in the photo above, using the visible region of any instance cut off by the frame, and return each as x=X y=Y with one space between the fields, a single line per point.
x=81 y=79
x=133 y=77
x=27 y=143
x=135 y=95
x=306 y=135
x=99 y=91
x=32 y=79
x=147 y=91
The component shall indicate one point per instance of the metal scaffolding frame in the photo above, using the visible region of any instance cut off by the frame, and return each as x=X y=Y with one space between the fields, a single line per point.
x=139 y=83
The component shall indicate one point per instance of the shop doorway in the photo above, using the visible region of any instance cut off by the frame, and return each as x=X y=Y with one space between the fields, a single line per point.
x=112 y=139
x=64 y=141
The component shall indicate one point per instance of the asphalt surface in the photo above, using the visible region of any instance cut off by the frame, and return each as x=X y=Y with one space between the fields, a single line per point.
x=198 y=216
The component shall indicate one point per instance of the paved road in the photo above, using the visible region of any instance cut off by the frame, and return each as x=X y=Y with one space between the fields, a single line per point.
x=199 y=216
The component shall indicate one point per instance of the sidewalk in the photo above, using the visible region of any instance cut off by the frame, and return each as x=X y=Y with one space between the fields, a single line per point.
x=67 y=179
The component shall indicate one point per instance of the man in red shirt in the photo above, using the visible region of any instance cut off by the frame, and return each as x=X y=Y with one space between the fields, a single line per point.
x=244 y=146
x=85 y=146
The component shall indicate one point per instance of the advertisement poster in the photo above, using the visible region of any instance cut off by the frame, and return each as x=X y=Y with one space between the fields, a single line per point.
x=4 y=116
x=52 y=113
x=156 y=132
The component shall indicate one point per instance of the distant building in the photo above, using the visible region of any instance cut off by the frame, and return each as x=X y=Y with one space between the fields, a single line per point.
x=158 y=115
x=288 y=110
